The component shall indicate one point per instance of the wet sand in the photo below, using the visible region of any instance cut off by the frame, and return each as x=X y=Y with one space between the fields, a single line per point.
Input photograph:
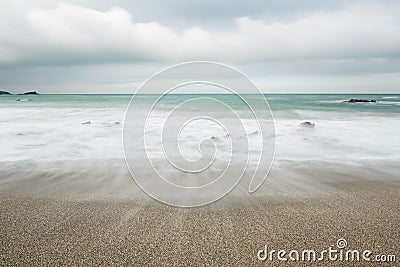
x=50 y=230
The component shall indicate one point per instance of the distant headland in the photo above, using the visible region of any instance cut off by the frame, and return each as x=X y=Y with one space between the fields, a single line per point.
x=26 y=93
x=29 y=93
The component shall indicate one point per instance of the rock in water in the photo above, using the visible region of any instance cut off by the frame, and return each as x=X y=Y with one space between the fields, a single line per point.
x=307 y=124
x=86 y=122
x=354 y=100
x=4 y=93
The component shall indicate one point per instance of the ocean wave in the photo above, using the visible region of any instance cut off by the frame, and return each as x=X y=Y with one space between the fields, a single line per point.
x=390 y=97
x=389 y=103
x=341 y=131
x=332 y=101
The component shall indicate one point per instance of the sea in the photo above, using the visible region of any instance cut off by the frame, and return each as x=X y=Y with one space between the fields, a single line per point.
x=54 y=142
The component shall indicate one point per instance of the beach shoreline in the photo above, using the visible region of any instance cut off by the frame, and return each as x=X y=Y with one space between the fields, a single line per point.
x=67 y=197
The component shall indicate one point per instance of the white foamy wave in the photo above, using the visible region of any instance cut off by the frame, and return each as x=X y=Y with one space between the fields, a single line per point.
x=390 y=97
x=389 y=103
x=43 y=132
x=333 y=101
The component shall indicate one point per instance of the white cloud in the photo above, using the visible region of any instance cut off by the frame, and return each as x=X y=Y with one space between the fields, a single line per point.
x=92 y=47
x=71 y=34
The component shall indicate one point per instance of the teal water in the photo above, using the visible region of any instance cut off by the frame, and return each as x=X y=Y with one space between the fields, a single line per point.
x=90 y=126
x=280 y=103
x=65 y=141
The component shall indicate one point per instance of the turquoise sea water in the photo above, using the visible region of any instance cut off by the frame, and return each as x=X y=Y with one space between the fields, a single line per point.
x=36 y=121
x=389 y=104
x=62 y=137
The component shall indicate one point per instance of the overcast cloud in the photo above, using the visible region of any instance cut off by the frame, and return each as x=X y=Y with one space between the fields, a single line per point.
x=93 y=46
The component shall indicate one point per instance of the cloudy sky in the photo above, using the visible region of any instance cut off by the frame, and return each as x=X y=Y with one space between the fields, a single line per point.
x=284 y=46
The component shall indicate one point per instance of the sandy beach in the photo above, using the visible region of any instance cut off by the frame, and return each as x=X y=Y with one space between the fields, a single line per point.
x=81 y=229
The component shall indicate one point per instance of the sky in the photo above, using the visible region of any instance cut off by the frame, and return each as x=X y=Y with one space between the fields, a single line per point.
x=303 y=46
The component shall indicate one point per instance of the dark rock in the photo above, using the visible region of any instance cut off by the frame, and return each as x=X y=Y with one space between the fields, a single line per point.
x=354 y=100
x=4 y=93
x=307 y=124
x=30 y=93
x=86 y=122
